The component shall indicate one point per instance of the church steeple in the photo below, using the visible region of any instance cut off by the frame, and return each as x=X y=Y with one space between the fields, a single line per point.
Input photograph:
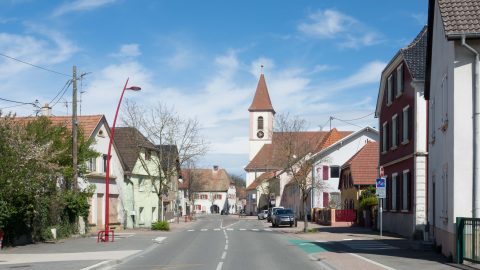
x=261 y=101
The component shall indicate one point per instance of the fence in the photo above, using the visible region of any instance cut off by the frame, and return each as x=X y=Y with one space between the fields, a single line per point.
x=468 y=239
x=345 y=215
x=336 y=217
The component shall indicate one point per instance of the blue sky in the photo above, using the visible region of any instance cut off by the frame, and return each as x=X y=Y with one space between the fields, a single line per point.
x=322 y=58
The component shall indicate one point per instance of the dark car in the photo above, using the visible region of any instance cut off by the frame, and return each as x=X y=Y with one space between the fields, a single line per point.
x=271 y=212
x=283 y=217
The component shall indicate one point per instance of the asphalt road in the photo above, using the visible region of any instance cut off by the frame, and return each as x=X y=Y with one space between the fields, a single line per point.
x=222 y=242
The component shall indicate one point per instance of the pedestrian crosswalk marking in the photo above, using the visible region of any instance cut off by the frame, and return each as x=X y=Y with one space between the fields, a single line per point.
x=367 y=245
x=217 y=229
x=231 y=229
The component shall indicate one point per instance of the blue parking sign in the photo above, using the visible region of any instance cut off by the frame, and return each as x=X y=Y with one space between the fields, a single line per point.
x=381 y=188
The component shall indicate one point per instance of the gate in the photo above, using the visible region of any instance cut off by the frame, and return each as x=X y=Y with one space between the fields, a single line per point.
x=345 y=215
x=468 y=239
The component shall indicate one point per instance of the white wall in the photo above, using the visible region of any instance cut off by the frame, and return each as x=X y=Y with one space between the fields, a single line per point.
x=257 y=143
x=338 y=155
x=207 y=203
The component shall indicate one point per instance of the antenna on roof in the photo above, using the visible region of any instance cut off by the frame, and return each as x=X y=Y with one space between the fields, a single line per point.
x=261 y=71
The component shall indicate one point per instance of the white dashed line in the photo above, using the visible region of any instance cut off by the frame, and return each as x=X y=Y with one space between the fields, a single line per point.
x=158 y=239
x=230 y=229
x=255 y=230
x=204 y=230
x=217 y=229
x=219 y=267
x=226 y=241
x=226 y=247
x=224 y=254
x=243 y=229
x=191 y=230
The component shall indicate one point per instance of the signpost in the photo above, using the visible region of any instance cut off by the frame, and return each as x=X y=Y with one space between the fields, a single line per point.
x=381 y=192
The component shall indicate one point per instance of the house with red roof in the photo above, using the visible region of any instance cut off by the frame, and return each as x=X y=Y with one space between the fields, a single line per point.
x=96 y=128
x=359 y=172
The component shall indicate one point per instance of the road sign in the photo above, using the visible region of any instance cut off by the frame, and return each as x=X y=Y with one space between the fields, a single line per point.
x=381 y=188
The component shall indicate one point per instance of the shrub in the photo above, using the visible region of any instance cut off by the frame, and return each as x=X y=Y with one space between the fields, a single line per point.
x=368 y=202
x=161 y=226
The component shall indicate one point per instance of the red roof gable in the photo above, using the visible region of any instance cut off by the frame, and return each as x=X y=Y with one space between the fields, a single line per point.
x=364 y=165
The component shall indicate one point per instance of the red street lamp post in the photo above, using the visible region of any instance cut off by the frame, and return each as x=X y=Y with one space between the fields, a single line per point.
x=107 y=173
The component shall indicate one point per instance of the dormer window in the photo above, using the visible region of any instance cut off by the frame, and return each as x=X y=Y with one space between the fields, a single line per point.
x=260 y=123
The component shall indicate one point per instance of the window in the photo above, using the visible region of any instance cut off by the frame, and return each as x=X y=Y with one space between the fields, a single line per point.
x=148 y=154
x=141 y=185
x=141 y=216
x=217 y=196
x=325 y=199
x=203 y=196
x=405 y=124
x=325 y=173
x=406 y=190
x=394 y=191
x=399 y=80
x=198 y=207
x=197 y=196
x=92 y=165
x=334 y=171
x=104 y=163
x=384 y=137
x=389 y=90
x=394 y=131
x=444 y=97
x=260 y=123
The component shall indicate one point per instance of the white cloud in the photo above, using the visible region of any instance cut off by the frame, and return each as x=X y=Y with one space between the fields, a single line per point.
x=128 y=50
x=332 y=24
x=80 y=5
x=44 y=48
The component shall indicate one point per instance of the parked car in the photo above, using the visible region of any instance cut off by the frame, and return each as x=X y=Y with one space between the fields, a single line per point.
x=263 y=214
x=283 y=217
x=270 y=212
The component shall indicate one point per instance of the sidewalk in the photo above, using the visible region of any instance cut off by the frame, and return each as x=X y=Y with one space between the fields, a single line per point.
x=357 y=247
x=84 y=251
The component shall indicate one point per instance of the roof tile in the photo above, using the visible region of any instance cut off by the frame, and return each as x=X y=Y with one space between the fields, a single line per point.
x=364 y=165
x=261 y=100
x=460 y=16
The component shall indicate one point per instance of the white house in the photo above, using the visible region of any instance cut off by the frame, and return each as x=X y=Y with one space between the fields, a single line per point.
x=212 y=190
x=452 y=88
x=96 y=128
x=328 y=162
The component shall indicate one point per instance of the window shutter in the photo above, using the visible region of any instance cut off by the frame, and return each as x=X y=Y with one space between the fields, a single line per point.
x=398 y=123
x=394 y=85
x=410 y=123
x=389 y=193
x=398 y=193
x=325 y=172
x=410 y=190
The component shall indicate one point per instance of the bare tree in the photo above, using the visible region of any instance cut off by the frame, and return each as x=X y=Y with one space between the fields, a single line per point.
x=295 y=147
x=177 y=141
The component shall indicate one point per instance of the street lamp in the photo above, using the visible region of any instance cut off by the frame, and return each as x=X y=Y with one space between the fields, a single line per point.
x=107 y=173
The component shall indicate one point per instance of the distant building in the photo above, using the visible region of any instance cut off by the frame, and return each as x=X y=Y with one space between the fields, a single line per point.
x=211 y=191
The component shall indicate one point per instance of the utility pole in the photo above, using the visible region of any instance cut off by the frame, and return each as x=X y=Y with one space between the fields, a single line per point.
x=74 y=130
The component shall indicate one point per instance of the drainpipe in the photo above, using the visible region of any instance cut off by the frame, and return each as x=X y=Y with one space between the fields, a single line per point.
x=476 y=138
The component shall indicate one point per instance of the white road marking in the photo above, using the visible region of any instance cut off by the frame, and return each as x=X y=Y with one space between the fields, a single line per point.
x=230 y=229
x=267 y=230
x=217 y=229
x=226 y=241
x=204 y=230
x=191 y=230
x=96 y=266
x=219 y=267
x=348 y=239
x=255 y=230
x=226 y=247
x=158 y=239
x=243 y=229
x=373 y=262
x=224 y=254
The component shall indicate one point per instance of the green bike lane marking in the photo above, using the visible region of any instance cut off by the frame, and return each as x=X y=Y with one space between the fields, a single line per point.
x=310 y=247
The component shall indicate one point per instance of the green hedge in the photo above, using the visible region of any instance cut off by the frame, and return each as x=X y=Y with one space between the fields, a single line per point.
x=161 y=226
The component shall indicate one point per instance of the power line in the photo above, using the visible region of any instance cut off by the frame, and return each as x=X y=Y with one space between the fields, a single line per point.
x=63 y=93
x=346 y=122
x=33 y=65
x=18 y=105
x=18 y=102
x=61 y=90
x=356 y=119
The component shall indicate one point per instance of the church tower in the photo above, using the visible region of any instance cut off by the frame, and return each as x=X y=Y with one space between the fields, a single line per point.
x=261 y=118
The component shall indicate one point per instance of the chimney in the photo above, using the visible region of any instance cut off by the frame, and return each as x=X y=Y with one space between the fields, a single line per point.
x=215 y=168
x=46 y=110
